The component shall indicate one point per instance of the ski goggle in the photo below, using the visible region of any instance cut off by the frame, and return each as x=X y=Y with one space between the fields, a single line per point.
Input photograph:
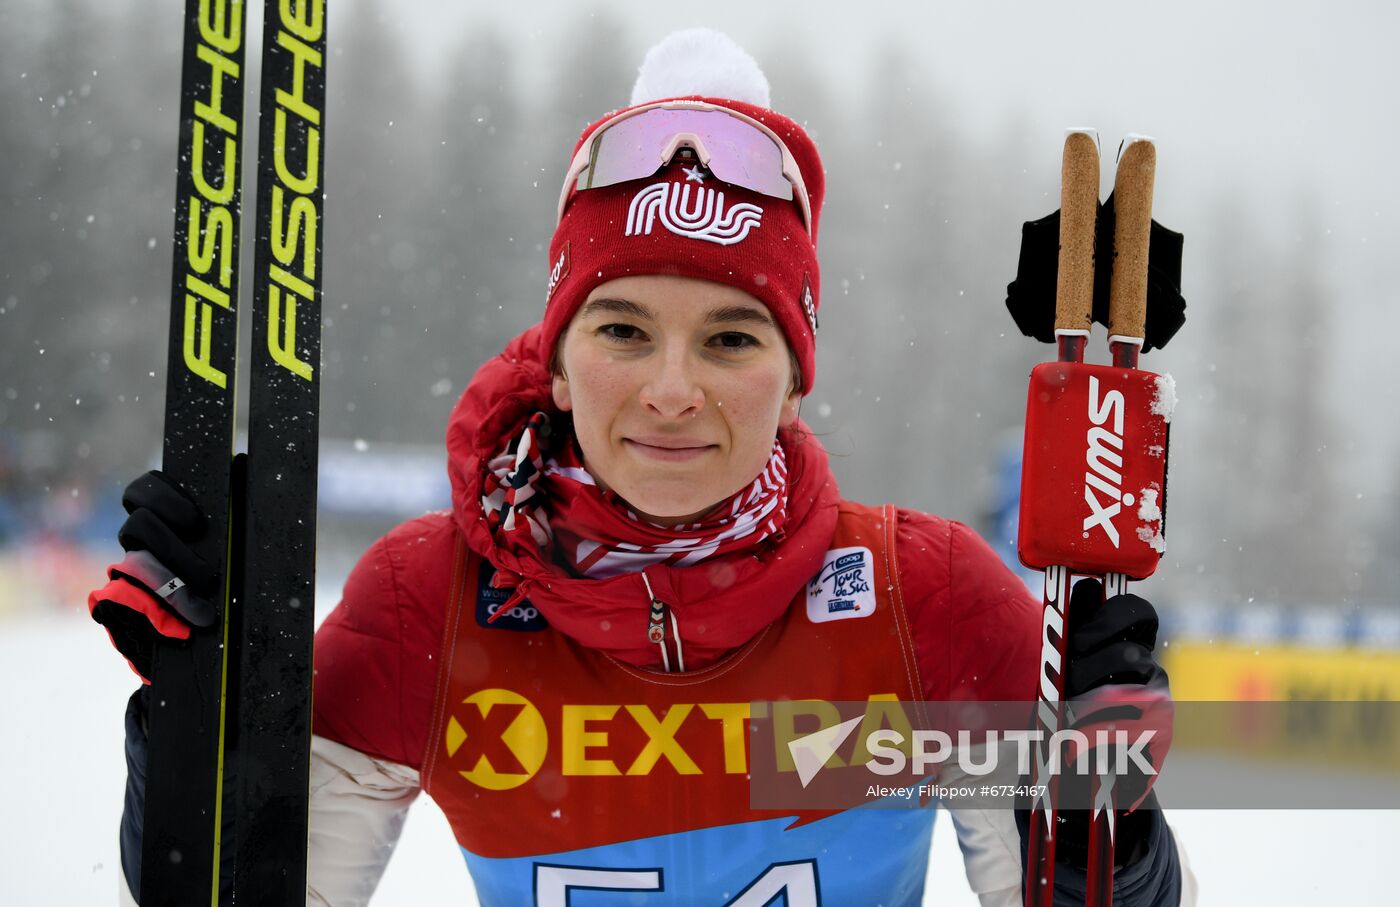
x=737 y=149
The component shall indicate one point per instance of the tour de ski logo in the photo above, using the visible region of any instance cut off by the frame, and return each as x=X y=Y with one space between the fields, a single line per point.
x=702 y=216
x=496 y=739
x=843 y=588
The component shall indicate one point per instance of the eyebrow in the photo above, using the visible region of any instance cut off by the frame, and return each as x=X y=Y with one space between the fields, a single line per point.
x=617 y=307
x=741 y=313
x=724 y=314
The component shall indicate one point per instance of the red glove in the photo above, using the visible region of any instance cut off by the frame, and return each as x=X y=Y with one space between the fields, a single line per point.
x=145 y=600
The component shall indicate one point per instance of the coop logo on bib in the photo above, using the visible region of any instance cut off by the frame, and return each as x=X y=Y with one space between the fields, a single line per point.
x=489 y=600
x=701 y=216
x=844 y=587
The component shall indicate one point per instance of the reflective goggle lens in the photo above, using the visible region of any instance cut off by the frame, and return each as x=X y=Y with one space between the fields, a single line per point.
x=733 y=150
x=737 y=150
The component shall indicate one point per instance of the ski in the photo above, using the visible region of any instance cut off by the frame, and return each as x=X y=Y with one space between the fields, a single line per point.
x=181 y=836
x=271 y=734
x=229 y=731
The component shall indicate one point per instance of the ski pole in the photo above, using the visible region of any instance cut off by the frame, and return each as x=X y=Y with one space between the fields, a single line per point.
x=1108 y=425
x=1127 y=315
x=1074 y=299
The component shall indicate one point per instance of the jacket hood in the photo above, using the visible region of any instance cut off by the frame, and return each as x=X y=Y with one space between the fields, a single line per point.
x=720 y=604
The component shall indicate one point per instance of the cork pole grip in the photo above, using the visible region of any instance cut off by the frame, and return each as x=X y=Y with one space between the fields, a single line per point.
x=1079 y=206
x=1127 y=298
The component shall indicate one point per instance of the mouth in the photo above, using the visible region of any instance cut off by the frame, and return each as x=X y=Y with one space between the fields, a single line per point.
x=671 y=450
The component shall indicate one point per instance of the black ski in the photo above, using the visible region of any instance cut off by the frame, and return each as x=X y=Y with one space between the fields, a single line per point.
x=180 y=851
x=272 y=733
x=230 y=714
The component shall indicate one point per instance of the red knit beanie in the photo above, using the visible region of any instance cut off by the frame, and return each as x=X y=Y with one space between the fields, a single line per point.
x=685 y=221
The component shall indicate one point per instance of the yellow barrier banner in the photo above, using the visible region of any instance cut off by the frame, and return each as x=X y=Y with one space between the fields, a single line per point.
x=1218 y=672
x=1332 y=705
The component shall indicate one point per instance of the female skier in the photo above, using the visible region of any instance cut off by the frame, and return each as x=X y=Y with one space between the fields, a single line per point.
x=643 y=540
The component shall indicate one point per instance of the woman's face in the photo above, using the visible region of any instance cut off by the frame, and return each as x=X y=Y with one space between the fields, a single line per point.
x=677 y=388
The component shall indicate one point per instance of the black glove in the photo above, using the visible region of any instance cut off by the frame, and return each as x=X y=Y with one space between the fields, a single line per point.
x=1110 y=642
x=1112 y=678
x=162 y=587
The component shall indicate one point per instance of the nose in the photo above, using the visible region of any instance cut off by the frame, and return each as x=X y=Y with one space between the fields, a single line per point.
x=672 y=389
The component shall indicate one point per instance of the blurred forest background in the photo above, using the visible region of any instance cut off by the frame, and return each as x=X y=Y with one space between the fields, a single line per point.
x=446 y=146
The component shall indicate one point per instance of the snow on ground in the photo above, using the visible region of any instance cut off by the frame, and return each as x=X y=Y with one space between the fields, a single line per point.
x=61 y=760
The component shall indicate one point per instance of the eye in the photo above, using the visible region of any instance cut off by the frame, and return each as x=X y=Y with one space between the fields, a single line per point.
x=735 y=340
x=621 y=333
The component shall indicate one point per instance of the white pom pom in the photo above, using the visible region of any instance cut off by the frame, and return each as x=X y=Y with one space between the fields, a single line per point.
x=700 y=61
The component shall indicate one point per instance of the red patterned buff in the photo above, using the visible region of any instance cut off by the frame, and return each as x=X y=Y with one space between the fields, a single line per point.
x=537 y=497
x=685 y=221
